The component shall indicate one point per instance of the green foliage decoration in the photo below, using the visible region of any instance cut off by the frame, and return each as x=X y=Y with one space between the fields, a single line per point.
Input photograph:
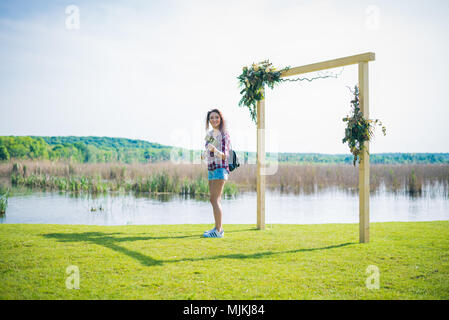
x=358 y=129
x=253 y=80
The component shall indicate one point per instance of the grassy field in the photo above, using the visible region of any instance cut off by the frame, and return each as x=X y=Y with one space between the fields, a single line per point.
x=175 y=262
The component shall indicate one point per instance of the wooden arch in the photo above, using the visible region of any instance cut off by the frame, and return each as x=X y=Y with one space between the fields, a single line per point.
x=364 y=187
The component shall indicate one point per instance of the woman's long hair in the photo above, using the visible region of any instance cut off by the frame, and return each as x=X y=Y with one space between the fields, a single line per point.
x=222 y=126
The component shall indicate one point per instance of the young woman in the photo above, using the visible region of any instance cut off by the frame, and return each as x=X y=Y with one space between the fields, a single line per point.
x=217 y=152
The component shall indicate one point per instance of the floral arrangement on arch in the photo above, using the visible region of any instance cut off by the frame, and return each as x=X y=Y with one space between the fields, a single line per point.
x=358 y=129
x=253 y=80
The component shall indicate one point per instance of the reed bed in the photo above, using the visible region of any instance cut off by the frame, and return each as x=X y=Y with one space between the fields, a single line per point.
x=192 y=178
x=101 y=178
x=312 y=178
x=3 y=200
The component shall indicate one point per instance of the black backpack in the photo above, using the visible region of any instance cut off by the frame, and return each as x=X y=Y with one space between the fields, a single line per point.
x=233 y=160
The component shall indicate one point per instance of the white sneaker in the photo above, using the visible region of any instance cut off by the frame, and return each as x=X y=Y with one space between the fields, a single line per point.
x=214 y=234
x=209 y=231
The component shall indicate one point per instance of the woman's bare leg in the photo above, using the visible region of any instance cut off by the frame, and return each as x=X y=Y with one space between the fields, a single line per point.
x=215 y=190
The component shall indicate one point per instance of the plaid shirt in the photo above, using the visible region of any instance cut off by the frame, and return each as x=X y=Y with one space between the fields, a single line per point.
x=222 y=143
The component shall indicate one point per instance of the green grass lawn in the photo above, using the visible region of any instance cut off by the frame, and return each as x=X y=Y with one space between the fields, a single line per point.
x=175 y=262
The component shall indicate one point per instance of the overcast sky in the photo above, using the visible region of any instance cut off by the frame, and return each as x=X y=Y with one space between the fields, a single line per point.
x=152 y=69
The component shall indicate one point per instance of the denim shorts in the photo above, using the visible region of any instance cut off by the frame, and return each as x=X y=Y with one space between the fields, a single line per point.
x=220 y=173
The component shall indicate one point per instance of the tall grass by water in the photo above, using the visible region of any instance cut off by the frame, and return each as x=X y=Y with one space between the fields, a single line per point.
x=192 y=178
x=407 y=178
x=3 y=200
x=110 y=177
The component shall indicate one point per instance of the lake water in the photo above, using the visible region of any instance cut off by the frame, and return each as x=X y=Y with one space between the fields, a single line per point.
x=331 y=206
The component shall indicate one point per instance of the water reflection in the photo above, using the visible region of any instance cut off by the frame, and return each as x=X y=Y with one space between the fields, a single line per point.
x=161 y=197
x=330 y=205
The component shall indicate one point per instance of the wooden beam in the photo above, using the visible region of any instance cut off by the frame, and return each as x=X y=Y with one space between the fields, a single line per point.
x=335 y=63
x=364 y=186
x=261 y=164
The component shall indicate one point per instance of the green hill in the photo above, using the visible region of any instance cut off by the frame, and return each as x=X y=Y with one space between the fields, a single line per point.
x=103 y=142
x=82 y=149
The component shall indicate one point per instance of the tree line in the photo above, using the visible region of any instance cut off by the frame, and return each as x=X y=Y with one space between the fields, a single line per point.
x=107 y=149
x=82 y=149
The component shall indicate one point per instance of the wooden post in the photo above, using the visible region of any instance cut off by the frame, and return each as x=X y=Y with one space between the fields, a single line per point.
x=364 y=187
x=261 y=164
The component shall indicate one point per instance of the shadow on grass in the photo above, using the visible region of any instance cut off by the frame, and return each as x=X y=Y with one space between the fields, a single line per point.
x=261 y=254
x=112 y=241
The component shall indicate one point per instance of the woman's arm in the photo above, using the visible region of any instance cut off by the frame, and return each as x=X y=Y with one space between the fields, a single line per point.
x=221 y=155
